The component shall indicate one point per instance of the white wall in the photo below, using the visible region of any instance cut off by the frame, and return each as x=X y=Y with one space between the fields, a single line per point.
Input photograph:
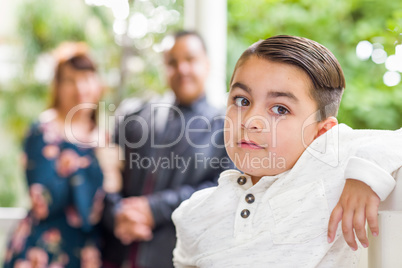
x=8 y=9
x=209 y=18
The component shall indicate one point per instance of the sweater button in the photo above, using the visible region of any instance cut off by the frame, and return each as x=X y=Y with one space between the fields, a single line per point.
x=250 y=198
x=245 y=213
x=242 y=180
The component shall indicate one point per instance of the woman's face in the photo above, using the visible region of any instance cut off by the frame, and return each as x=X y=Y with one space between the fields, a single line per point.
x=77 y=87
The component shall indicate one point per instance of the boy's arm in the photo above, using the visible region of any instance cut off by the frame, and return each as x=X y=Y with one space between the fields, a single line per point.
x=182 y=253
x=180 y=259
x=364 y=189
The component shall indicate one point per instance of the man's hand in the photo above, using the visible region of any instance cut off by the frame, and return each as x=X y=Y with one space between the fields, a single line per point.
x=357 y=203
x=141 y=205
x=135 y=221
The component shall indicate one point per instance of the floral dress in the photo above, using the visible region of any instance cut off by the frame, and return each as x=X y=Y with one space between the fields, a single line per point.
x=65 y=186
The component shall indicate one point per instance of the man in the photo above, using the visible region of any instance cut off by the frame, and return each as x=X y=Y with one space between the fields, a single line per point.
x=170 y=152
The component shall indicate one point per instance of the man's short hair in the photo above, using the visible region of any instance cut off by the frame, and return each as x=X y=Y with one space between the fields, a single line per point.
x=185 y=33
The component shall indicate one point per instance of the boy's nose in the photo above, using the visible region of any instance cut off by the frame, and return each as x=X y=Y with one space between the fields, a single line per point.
x=256 y=123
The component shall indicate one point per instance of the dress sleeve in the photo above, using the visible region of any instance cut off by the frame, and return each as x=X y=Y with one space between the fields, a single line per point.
x=86 y=188
x=41 y=174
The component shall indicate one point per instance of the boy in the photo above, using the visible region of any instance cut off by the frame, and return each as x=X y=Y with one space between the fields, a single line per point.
x=281 y=132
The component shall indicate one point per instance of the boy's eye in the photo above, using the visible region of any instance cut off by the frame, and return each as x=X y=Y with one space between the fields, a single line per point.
x=280 y=110
x=241 y=101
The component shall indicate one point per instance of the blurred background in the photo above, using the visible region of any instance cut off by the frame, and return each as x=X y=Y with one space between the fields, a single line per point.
x=127 y=37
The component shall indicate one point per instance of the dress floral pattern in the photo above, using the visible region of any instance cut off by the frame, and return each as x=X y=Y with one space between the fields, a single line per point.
x=65 y=186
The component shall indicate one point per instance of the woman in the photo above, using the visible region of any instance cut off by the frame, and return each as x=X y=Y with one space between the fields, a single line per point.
x=63 y=174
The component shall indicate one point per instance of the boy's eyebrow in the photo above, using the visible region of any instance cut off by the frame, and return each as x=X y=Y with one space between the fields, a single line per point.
x=241 y=86
x=271 y=94
x=277 y=94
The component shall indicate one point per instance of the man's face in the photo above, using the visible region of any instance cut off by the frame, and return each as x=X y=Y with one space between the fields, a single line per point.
x=187 y=69
x=270 y=117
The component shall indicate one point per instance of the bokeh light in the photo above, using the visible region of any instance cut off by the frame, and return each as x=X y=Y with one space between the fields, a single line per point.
x=394 y=63
x=44 y=67
x=120 y=8
x=364 y=50
x=391 y=78
x=135 y=64
x=120 y=27
x=379 y=56
x=138 y=25
x=167 y=43
x=145 y=42
x=398 y=50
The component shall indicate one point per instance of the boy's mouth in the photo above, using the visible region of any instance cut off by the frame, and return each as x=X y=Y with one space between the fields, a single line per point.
x=249 y=145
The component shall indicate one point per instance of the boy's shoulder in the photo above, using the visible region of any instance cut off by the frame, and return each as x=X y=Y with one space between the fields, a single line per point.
x=341 y=142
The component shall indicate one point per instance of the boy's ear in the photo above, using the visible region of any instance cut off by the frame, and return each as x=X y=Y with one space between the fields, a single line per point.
x=326 y=125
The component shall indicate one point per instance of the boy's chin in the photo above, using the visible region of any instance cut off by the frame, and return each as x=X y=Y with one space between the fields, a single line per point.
x=262 y=172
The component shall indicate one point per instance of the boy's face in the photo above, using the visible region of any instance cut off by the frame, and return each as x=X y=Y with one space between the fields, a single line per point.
x=270 y=117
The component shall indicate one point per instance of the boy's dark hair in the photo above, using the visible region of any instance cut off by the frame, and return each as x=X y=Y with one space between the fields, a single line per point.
x=185 y=33
x=316 y=60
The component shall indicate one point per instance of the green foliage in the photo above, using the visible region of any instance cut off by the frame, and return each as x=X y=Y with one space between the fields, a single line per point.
x=339 y=25
x=42 y=26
